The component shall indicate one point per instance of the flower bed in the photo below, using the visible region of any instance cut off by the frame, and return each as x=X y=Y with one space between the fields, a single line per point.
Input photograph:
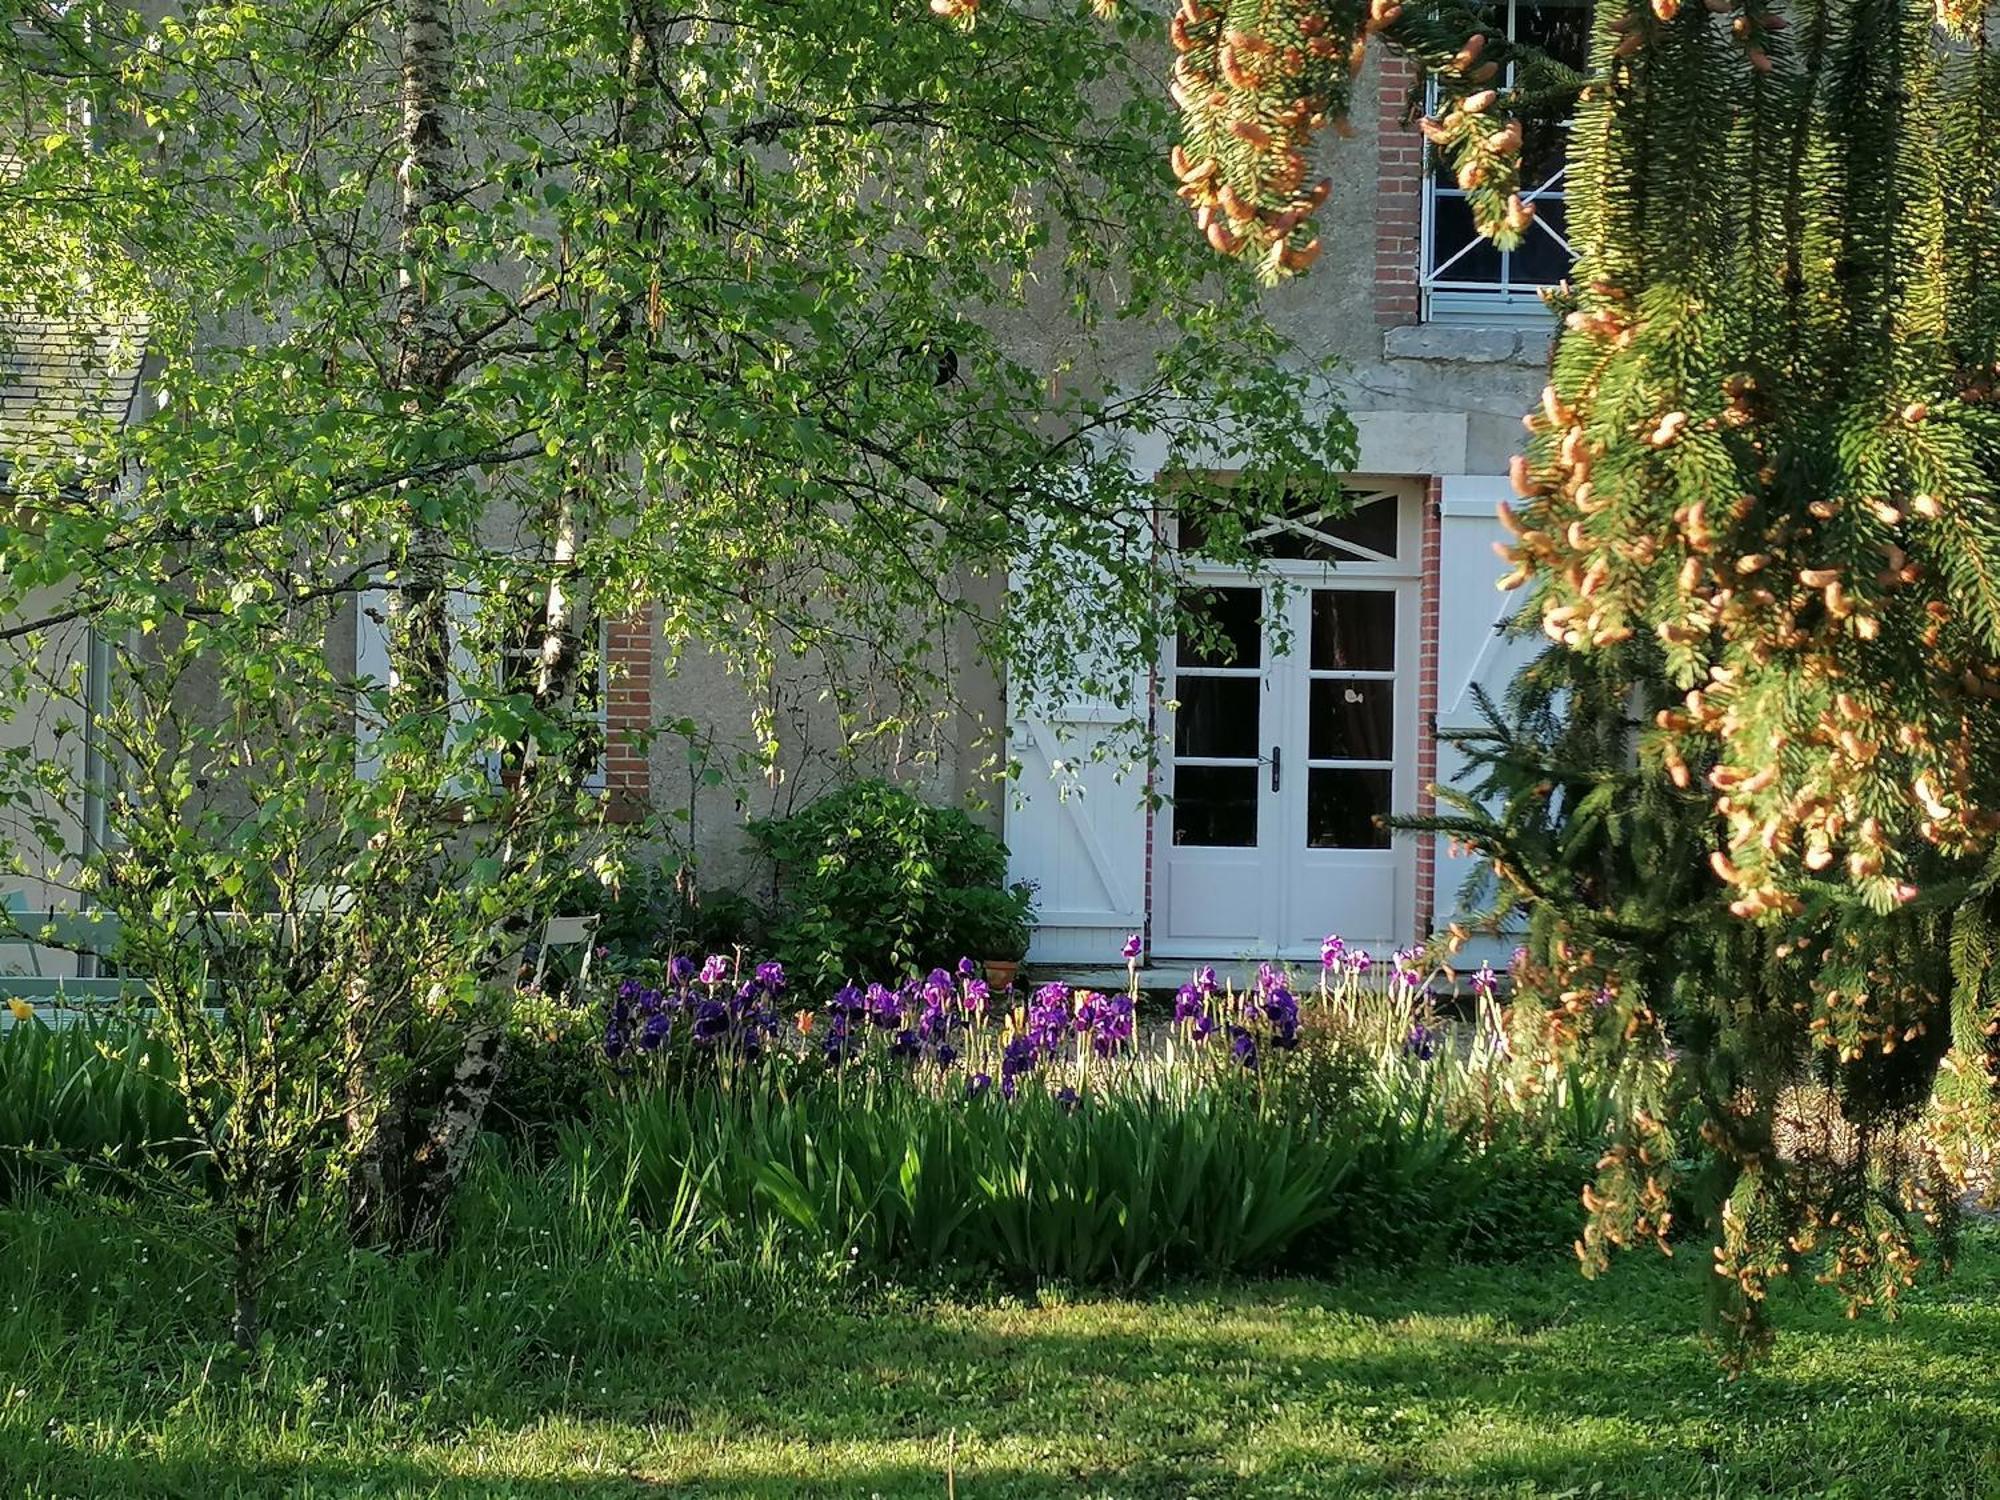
x=937 y=1125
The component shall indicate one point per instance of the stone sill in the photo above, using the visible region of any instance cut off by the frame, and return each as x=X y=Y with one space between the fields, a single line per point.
x=1469 y=343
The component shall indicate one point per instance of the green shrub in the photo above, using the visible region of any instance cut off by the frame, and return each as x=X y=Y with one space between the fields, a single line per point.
x=875 y=882
x=661 y=909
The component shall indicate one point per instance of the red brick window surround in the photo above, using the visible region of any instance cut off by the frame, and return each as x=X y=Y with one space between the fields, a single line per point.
x=1399 y=197
x=628 y=715
x=1427 y=702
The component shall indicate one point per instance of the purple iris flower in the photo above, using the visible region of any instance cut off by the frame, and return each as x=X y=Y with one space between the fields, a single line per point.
x=1111 y=1025
x=1332 y=950
x=904 y=1045
x=885 y=1006
x=977 y=993
x=1421 y=1043
x=946 y=1054
x=977 y=1085
x=680 y=969
x=655 y=1032
x=838 y=1042
x=967 y=968
x=1204 y=980
x=1359 y=961
x=1485 y=982
x=1066 y=1099
x=711 y=1022
x=1049 y=1017
x=848 y=1002
x=1189 y=1003
x=628 y=989
x=1244 y=1046
x=771 y=976
x=715 y=970
x=1134 y=946
x=1017 y=1058
x=614 y=1041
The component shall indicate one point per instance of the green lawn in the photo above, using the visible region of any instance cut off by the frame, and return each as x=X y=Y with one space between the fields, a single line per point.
x=498 y=1374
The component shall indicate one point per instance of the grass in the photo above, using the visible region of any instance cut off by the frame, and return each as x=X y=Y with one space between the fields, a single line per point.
x=546 y=1357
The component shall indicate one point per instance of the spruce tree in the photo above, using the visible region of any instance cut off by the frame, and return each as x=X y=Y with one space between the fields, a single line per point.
x=1755 y=504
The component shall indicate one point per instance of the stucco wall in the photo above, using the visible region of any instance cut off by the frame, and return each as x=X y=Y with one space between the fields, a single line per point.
x=1426 y=399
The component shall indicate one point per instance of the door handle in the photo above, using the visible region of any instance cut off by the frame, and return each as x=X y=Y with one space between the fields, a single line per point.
x=1277 y=762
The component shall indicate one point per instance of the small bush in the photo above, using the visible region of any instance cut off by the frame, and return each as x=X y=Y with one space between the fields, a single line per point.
x=662 y=909
x=874 y=881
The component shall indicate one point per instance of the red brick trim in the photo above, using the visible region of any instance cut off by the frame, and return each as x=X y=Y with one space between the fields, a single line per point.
x=628 y=716
x=1427 y=701
x=1399 y=200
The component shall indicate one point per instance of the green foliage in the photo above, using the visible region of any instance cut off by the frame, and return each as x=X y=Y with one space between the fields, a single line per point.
x=1773 y=1081
x=1161 y=1168
x=660 y=909
x=91 y=1094
x=873 y=881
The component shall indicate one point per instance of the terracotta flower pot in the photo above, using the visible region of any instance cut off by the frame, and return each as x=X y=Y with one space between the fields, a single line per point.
x=1000 y=972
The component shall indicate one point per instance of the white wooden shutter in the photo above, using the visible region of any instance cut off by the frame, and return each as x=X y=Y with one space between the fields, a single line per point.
x=1472 y=651
x=1076 y=824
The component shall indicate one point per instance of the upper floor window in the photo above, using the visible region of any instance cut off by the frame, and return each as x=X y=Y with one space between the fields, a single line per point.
x=1464 y=276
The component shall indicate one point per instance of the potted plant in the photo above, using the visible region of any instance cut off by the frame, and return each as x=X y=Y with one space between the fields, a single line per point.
x=994 y=926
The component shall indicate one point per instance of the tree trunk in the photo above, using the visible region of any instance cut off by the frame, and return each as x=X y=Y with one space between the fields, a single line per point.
x=246 y=1323
x=568 y=613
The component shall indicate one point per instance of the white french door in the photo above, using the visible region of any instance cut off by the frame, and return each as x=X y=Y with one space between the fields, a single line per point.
x=1290 y=736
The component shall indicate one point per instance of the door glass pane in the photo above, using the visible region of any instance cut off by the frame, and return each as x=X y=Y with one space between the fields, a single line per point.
x=1351 y=720
x=1311 y=537
x=1353 y=630
x=1235 y=635
x=1216 y=805
x=1217 y=716
x=1342 y=807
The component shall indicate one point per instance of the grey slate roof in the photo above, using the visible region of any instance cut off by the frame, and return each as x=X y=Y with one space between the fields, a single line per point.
x=59 y=373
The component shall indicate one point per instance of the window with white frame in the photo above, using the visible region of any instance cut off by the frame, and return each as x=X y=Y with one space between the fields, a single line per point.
x=503 y=629
x=1464 y=275
x=520 y=617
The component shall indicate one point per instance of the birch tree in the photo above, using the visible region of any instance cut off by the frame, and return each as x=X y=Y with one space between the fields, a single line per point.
x=787 y=321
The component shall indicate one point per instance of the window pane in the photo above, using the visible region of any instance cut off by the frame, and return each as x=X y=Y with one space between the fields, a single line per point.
x=1560 y=29
x=1353 y=630
x=1217 y=716
x=1215 y=806
x=1342 y=807
x=1351 y=720
x=1541 y=260
x=1372 y=526
x=1544 y=149
x=1451 y=231
x=1235 y=634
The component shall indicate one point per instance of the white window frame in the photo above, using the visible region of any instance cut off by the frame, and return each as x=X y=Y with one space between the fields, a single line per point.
x=371 y=661
x=596 y=780
x=1457 y=300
